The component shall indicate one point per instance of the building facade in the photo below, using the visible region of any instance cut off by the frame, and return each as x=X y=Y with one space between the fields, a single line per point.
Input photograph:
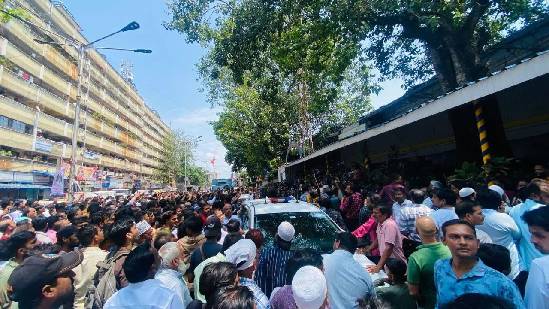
x=119 y=138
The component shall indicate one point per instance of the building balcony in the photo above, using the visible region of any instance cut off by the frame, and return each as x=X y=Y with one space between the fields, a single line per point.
x=25 y=165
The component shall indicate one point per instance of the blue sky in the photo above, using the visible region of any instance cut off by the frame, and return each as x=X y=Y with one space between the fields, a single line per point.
x=167 y=78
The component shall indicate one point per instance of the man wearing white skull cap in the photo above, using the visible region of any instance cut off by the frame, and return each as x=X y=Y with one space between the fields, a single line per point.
x=309 y=288
x=243 y=255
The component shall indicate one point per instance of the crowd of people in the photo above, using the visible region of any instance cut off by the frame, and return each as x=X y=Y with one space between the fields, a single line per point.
x=442 y=246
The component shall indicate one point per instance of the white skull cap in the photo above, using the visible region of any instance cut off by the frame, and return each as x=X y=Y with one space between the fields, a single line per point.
x=286 y=231
x=309 y=288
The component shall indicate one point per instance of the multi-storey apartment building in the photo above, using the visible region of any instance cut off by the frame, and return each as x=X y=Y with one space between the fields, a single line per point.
x=118 y=133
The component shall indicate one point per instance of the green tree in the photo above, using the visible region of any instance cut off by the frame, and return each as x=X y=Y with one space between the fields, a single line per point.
x=413 y=39
x=176 y=151
x=297 y=75
x=198 y=176
x=254 y=132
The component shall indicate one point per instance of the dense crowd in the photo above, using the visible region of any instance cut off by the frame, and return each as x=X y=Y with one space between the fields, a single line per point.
x=442 y=246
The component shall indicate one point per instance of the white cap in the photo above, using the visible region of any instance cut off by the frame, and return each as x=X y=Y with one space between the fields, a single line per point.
x=498 y=189
x=465 y=192
x=142 y=227
x=309 y=288
x=241 y=254
x=286 y=231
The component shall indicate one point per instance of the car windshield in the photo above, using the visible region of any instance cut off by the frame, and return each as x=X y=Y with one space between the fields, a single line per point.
x=313 y=230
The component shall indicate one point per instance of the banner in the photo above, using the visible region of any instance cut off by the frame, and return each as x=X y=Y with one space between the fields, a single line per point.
x=86 y=173
x=57 y=185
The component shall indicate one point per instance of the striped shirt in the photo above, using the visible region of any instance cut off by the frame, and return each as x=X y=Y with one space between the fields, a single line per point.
x=271 y=269
x=261 y=301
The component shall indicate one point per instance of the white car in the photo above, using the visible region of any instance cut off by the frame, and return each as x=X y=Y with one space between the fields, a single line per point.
x=314 y=228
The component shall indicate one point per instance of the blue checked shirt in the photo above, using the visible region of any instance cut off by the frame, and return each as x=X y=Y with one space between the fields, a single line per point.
x=481 y=279
x=261 y=300
x=407 y=219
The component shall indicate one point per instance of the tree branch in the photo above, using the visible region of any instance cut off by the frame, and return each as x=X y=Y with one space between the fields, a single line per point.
x=477 y=11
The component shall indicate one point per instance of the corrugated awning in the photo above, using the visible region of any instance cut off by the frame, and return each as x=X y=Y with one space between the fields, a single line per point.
x=512 y=75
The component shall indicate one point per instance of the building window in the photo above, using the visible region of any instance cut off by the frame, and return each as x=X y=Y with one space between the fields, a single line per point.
x=15 y=125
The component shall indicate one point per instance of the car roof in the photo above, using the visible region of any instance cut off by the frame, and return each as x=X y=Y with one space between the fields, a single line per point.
x=262 y=207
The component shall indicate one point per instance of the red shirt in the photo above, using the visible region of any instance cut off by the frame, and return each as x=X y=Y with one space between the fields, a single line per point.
x=350 y=206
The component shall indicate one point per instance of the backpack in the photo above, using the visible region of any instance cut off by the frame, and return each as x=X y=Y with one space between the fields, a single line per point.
x=105 y=284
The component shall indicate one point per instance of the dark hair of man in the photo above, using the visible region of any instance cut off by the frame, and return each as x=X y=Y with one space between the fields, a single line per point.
x=181 y=230
x=161 y=239
x=533 y=189
x=347 y=241
x=457 y=222
x=216 y=276
x=375 y=199
x=233 y=226
x=385 y=210
x=302 y=258
x=464 y=208
x=324 y=202
x=355 y=187
x=417 y=196
x=165 y=217
x=488 y=199
x=86 y=234
x=496 y=257
x=119 y=229
x=447 y=195
x=9 y=247
x=256 y=236
x=230 y=240
x=194 y=225
x=66 y=233
x=397 y=269
x=234 y=297
x=96 y=218
x=124 y=213
x=478 y=301
x=537 y=217
x=40 y=224
x=138 y=264
x=94 y=207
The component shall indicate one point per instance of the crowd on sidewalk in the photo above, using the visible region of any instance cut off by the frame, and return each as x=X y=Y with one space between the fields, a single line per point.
x=441 y=246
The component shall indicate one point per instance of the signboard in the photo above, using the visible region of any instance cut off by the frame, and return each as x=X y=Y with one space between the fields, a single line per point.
x=22 y=177
x=57 y=185
x=6 y=176
x=43 y=145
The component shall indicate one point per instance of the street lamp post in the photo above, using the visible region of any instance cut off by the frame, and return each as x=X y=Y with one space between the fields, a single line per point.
x=82 y=48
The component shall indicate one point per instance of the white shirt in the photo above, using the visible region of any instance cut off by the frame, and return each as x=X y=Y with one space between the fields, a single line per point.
x=174 y=281
x=504 y=231
x=397 y=209
x=84 y=274
x=148 y=294
x=537 y=287
x=483 y=237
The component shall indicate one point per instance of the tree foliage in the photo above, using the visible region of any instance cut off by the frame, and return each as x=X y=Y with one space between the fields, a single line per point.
x=177 y=150
x=281 y=62
x=308 y=61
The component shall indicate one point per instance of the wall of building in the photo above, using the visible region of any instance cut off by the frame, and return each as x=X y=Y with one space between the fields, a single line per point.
x=38 y=88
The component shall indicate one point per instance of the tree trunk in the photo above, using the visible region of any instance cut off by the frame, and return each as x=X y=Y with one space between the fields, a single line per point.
x=444 y=68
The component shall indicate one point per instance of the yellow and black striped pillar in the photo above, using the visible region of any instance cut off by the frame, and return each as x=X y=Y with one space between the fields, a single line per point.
x=481 y=127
